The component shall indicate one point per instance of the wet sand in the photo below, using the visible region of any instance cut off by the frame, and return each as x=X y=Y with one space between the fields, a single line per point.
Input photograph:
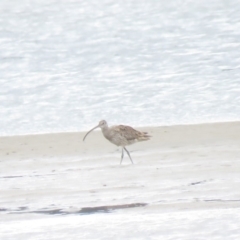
x=190 y=170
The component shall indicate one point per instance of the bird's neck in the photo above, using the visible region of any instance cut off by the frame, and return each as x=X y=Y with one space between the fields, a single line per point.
x=104 y=130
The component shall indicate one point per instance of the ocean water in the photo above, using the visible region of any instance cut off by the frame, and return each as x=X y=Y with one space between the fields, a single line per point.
x=214 y=224
x=65 y=65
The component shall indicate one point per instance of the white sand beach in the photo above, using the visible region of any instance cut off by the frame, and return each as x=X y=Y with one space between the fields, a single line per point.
x=184 y=184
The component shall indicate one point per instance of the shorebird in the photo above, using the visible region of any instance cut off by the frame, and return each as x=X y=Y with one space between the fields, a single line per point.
x=121 y=135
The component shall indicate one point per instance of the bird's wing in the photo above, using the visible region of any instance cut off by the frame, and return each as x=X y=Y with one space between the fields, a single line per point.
x=128 y=132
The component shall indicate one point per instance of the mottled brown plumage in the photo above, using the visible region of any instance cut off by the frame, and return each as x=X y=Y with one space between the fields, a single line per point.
x=121 y=135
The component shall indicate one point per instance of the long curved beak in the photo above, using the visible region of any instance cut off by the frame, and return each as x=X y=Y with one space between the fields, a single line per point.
x=90 y=131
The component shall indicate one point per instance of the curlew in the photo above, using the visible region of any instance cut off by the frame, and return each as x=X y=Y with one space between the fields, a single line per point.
x=121 y=135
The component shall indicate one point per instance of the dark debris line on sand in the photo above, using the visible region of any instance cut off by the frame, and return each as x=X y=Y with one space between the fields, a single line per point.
x=85 y=210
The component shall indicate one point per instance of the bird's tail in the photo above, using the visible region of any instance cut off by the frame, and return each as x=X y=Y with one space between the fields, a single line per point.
x=144 y=136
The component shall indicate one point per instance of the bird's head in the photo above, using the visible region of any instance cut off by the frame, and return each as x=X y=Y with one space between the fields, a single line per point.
x=102 y=124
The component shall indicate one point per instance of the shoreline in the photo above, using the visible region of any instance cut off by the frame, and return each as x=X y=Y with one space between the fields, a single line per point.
x=136 y=127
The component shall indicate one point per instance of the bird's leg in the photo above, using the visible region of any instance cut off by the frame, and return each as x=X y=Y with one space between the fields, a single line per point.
x=128 y=155
x=122 y=156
